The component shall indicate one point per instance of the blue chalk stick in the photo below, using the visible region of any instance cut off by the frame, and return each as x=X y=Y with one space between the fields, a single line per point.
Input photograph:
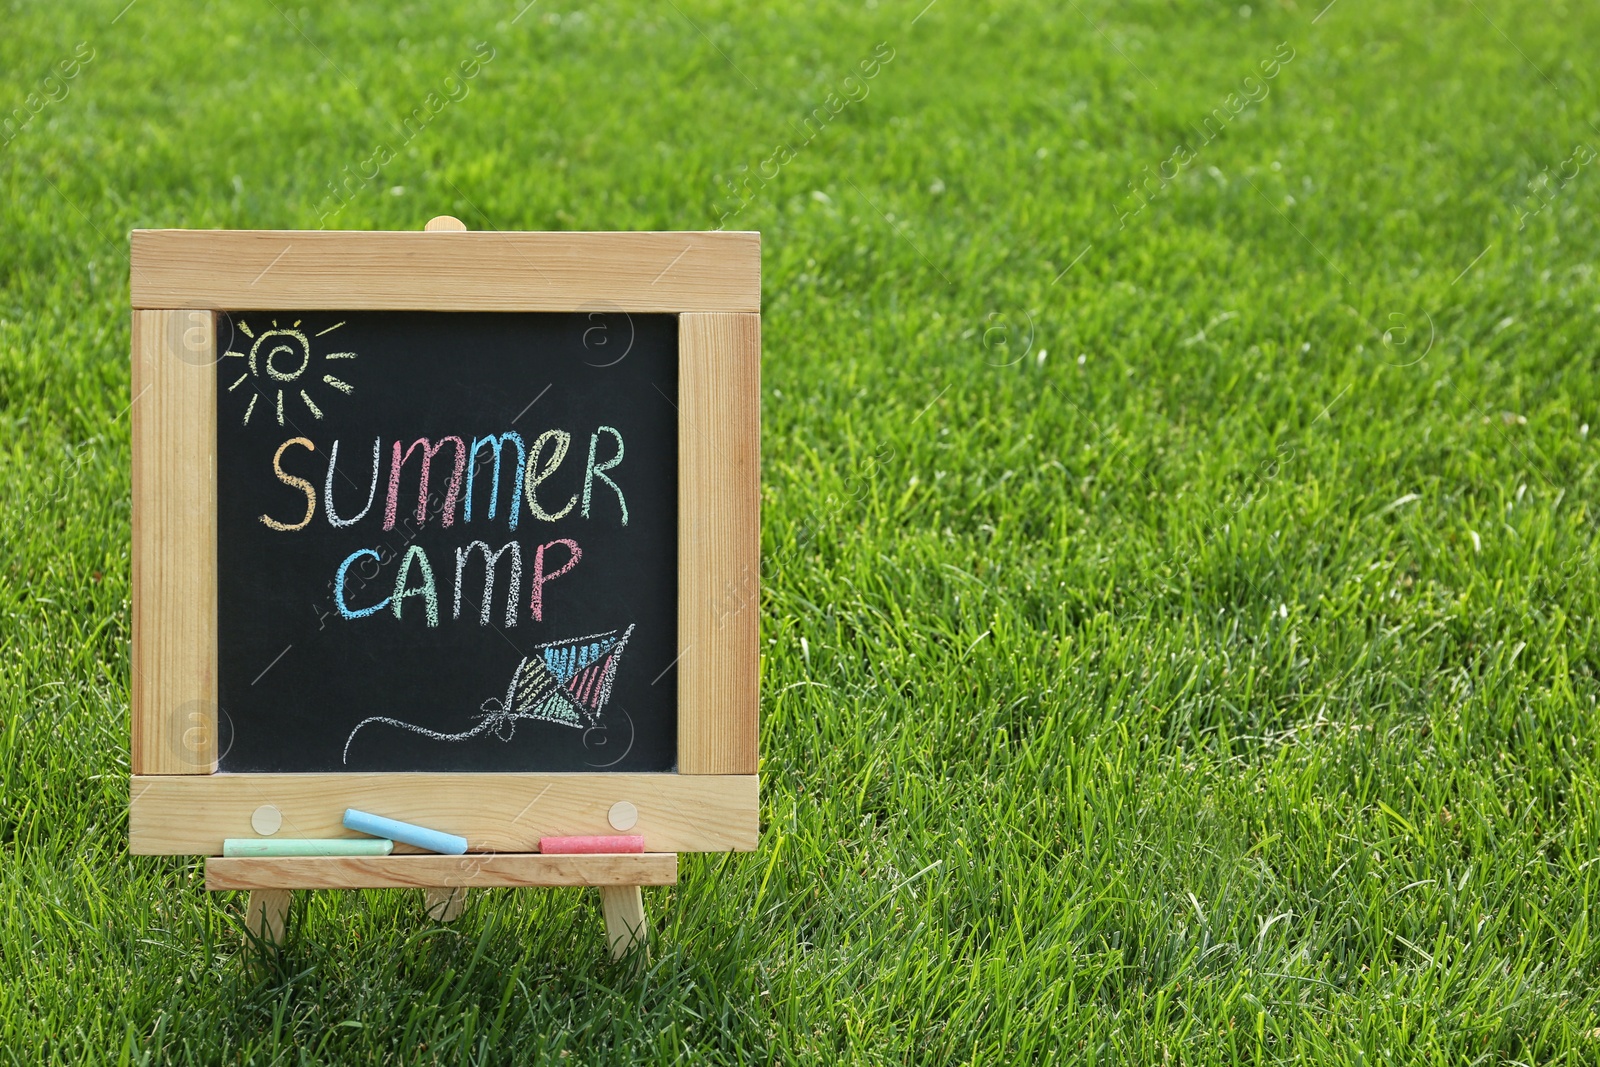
x=411 y=834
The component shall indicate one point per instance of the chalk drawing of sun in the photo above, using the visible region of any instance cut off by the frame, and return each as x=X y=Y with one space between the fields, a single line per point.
x=280 y=361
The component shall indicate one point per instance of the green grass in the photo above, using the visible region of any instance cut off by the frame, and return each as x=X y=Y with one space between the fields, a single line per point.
x=1185 y=653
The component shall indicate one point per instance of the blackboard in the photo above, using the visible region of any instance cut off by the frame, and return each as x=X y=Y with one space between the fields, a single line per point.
x=326 y=662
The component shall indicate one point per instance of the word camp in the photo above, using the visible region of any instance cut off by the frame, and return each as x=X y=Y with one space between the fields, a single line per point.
x=519 y=478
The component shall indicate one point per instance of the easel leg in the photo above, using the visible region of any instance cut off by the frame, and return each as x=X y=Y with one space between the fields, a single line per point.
x=445 y=905
x=623 y=906
x=265 y=913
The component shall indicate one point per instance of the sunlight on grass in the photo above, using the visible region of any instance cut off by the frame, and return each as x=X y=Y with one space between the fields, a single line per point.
x=1179 y=594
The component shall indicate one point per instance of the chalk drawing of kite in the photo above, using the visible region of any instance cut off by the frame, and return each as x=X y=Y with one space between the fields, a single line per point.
x=566 y=682
x=280 y=360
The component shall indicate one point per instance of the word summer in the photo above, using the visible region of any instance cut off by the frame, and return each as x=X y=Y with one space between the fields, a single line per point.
x=533 y=481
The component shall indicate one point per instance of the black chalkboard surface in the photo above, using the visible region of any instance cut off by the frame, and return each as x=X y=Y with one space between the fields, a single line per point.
x=378 y=473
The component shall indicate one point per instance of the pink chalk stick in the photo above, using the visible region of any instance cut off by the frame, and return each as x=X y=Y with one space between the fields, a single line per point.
x=583 y=846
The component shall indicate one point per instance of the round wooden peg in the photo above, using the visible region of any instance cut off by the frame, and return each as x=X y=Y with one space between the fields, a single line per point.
x=623 y=816
x=266 y=820
x=445 y=224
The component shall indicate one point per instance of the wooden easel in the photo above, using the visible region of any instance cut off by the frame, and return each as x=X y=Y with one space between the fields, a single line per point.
x=620 y=879
x=446 y=879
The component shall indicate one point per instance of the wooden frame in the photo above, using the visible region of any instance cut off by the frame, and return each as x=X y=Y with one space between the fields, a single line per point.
x=425 y=872
x=189 y=814
x=241 y=270
x=178 y=802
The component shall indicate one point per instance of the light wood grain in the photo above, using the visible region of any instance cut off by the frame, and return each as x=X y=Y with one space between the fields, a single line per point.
x=623 y=908
x=719 y=542
x=230 y=270
x=444 y=905
x=266 y=913
x=410 y=872
x=191 y=815
x=174 y=681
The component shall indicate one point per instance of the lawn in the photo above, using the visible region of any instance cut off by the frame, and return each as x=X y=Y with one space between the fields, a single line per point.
x=1179 y=522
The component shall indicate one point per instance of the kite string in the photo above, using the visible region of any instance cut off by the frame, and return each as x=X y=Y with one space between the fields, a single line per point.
x=495 y=717
x=498 y=715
